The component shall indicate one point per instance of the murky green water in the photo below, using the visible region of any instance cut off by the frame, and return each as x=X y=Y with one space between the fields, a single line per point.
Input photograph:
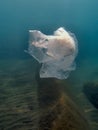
x=28 y=102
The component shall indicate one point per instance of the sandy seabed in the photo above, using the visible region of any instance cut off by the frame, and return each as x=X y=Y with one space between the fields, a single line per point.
x=20 y=107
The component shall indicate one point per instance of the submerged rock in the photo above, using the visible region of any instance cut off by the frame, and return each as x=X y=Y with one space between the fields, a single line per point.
x=57 y=110
x=91 y=91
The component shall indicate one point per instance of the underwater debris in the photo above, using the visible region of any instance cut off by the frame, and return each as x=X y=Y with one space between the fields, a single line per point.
x=56 y=52
x=90 y=89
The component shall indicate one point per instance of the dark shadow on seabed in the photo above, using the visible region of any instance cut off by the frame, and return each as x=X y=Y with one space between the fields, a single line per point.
x=56 y=110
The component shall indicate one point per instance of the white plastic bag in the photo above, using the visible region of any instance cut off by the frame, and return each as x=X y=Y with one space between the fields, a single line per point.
x=56 y=52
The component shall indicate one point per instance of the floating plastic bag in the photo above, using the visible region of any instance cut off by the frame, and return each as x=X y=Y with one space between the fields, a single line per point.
x=56 y=52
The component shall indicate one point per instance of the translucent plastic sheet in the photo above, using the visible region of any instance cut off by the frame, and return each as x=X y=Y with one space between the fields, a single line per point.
x=56 y=52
